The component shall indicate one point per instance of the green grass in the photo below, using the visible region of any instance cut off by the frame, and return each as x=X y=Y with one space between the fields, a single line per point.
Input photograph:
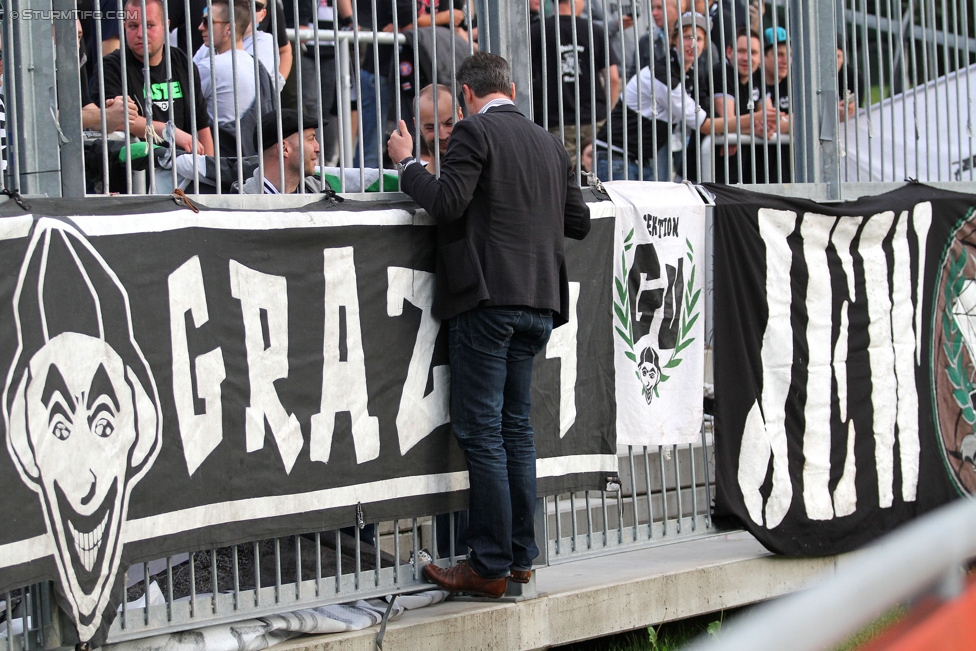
x=873 y=629
x=665 y=637
x=674 y=636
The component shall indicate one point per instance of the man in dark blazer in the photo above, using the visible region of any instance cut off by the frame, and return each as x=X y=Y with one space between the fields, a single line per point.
x=506 y=197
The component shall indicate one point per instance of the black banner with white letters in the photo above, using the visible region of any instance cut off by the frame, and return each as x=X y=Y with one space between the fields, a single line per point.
x=177 y=381
x=844 y=363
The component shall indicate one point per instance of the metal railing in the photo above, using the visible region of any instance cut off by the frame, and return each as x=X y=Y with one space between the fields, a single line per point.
x=839 y=54
x=928 y=556
x=664 y=496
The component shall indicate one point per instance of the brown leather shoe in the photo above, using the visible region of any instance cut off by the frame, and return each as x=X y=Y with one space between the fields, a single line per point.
x=461 y=578
x=520 y=576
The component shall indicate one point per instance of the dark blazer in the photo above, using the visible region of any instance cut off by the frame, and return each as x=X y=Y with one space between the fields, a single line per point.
x=506 y=197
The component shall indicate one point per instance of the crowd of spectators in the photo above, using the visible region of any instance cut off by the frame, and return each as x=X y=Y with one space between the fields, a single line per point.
x=630 y=97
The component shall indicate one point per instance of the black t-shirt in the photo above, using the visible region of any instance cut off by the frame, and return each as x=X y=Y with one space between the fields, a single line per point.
x=779 y=93
x=748 y=96
x=562 y=61
x=163 y=90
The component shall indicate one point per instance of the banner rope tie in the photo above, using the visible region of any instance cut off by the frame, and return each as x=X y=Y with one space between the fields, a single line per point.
x=180 y=197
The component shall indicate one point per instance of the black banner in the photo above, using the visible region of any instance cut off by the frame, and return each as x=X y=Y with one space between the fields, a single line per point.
x=177 y=381
x=844 y=376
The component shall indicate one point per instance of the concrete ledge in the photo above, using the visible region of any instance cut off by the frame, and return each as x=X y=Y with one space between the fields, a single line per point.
x=596 y=597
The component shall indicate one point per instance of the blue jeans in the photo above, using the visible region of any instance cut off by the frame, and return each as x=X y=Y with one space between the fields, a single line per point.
x=369 y=110
x=492 y=350
x=623 y=170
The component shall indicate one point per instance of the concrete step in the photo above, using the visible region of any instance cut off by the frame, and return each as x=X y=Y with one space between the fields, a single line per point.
x=595 y=597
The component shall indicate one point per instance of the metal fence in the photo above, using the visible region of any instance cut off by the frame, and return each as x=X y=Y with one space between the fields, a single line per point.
x=779 y=91
x=664 y=496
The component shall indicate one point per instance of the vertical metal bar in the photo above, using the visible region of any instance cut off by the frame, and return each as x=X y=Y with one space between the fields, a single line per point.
x=620 y=516
x=881 y=96
x=277 y=568
x=928 y=76
x=647 y=494
x=358 y=81
x=450 y=516
x=122 y=600
x=589 y=521
x=694 y=488
x=145 y=594
x=633 y=487
x=32 y=127
x=541 y=517
x=788 y=159
x=359 y=557
x=237 y=579
x=71 y=147
x=257 y=574
x=396 y=552
x=169 y=588
x=192 y=90
x=376 y=549
x=193 y=586
x=946 y=69
x=211 y=53
x=214 y=588
x=664 y=491
x=318 y=564
x=916 y=77
x=377 y=95
x=559 y=529
x=897 y=54
x=708 y=484
x=25 y=618
x=969 y=91
x=338 y=561
x=150 y=117
x=298 y=565
x=893 y=86
x=344 y=102
x=572 y=516
x=171 y=112
x=435 y=552
x=677 y=487
x=8 y=598
x=257 y=88
x=606 y=519
x=415 y=542
x=232 y=19
x=317 y=81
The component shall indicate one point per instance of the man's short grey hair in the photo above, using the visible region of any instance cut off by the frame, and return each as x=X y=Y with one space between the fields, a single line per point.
x=485 y=73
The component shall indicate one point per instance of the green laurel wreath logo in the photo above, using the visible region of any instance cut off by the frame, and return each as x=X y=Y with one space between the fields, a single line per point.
x=961 y=381
x=621 y=309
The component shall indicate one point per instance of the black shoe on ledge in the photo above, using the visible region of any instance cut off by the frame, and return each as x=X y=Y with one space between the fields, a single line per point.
x=461 y=578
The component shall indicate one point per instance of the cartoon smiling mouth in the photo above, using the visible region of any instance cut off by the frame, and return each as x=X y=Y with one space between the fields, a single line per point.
x=85 y=536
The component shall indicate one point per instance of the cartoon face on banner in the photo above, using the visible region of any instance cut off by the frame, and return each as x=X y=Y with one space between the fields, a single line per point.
x=80 y=410
x=661 y=309
x=954 y=357
x=649 y=370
